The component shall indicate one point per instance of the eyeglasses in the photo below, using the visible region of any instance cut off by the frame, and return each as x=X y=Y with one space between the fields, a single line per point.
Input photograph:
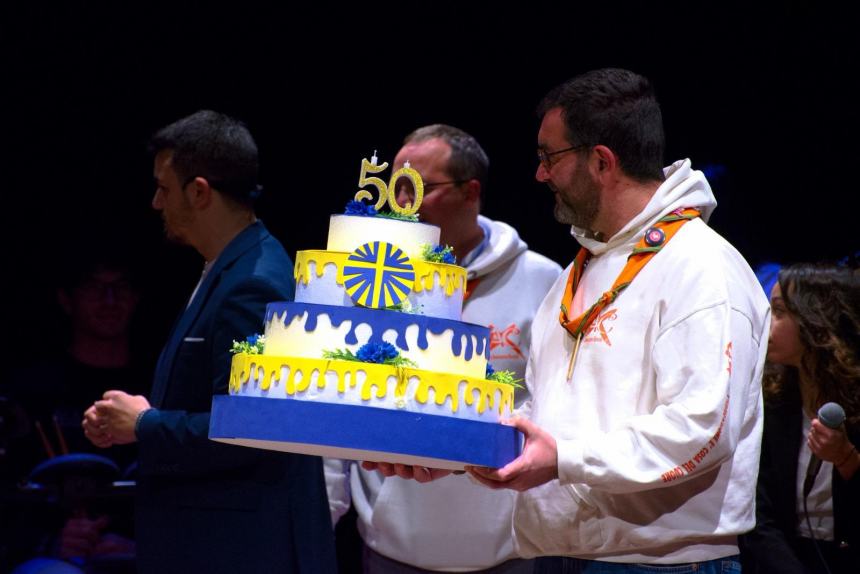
x=429 y=185
x=544 y=156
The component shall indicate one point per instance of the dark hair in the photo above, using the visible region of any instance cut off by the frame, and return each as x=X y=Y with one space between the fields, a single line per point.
x=615 y=108
x=824 y=299
x=215 y=147
x=82 y=265
x=468 y=159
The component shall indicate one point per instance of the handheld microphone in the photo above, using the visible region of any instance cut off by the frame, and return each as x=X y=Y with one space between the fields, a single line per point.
x=832 y=416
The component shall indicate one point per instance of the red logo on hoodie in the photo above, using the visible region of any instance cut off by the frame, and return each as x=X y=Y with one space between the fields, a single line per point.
x=502 y=346
x=729 y=355
x=599 y=330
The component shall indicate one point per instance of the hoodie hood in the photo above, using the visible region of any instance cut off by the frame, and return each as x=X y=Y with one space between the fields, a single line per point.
x=501 y=244
x=683 y=187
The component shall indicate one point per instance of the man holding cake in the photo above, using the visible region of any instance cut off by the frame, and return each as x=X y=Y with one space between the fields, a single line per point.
x=204 y=506
x=407 y=527
x=644 y=427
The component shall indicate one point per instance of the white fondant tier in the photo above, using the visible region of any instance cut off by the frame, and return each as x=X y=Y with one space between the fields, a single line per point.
x=347 y=232
x=437 y=291
x=370 y=385
x=440 y=345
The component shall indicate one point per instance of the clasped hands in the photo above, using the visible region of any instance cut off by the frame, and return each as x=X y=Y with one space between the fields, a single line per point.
x=111 y=420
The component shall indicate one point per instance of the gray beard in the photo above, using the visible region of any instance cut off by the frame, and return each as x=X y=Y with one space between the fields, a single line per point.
x=582 y=217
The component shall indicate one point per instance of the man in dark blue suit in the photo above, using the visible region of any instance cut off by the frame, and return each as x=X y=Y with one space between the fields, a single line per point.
x=205 y=506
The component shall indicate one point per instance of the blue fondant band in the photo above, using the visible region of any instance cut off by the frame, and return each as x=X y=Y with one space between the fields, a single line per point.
x=363 y=428
x=381 y=321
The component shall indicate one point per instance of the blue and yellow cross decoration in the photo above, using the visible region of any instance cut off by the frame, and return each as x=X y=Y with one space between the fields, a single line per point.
x=378 y=275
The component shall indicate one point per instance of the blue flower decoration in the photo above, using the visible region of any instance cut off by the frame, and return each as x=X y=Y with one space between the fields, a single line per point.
x=447 y=255
x=252 y=345
x=359 y=208
x=438 y=253
x=376 y=352
x=490 y=371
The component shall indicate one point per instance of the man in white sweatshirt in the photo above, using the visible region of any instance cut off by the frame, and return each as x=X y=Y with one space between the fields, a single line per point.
x=644 y=426
x=454 y=525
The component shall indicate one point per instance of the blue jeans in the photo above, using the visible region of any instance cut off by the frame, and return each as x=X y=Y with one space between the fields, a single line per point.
x=560 y=565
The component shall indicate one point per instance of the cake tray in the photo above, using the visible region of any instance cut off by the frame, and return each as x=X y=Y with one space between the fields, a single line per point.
x=361 y=433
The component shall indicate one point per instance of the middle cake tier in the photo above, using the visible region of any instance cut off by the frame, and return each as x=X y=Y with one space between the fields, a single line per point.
x=434 y=344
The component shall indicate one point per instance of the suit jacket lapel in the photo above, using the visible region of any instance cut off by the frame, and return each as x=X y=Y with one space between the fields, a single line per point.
x=248 y=238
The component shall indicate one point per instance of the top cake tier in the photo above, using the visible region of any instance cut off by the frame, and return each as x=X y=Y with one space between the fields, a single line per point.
x=347 y=232
x=332 y=278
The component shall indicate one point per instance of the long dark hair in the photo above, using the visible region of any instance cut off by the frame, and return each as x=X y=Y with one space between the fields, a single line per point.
x=824 y=299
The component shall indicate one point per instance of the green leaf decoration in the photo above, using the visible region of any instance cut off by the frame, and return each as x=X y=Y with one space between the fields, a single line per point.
x=382 y=354
x=252 y=345
x=391 y=215
x=506 y=378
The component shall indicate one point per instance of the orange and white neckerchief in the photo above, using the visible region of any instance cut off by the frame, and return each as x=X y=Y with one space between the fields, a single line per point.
x=655 y=238
x=471 y=284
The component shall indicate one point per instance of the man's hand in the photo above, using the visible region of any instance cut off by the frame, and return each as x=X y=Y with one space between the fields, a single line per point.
x=407 y=471
x=111 y=420
x=95 y=428
x=80 y=536
x=537 y=464
x=111 y=544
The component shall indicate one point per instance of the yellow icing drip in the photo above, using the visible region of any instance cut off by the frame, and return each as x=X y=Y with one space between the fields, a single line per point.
x=402 y=383
x=447 y=385
x=451 y=277
x=320 y=259
x=444 y=385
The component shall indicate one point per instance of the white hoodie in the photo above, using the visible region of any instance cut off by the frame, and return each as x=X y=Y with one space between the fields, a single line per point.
x=453 y=524
x=659 y=427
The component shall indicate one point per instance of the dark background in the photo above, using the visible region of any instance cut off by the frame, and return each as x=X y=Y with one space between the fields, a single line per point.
x=763 y=95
